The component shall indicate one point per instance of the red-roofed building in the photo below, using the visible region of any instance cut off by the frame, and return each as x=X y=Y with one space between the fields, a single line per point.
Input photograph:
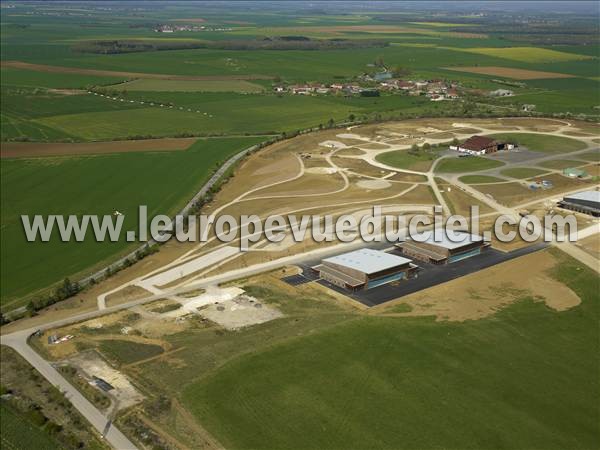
x=480 y=145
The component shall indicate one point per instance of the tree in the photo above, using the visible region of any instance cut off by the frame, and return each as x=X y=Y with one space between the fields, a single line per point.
x=399 y=72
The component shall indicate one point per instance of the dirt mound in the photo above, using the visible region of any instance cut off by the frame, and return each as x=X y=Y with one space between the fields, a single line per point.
x=373 y=184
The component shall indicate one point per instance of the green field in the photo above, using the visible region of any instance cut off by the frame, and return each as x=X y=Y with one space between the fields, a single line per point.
x=527 y=54
x=19 y=434
x=89 y=117
x=590 y=156
x=530 y=381
x=480 y=179
x=163 y=181
x=129 y=352
x=188 y=86
x=31 y=79
x=466 y=164
x=522 y=172
x=402 y=159
x=542 y=142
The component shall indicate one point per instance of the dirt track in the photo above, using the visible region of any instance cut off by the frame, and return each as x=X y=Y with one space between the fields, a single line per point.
x=35 y=149
x=111 y=73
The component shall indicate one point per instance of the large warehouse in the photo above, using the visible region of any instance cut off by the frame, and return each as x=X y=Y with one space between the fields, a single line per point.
x=364 y=269
x=481 y=145
x=587 y=202
x=444 y=250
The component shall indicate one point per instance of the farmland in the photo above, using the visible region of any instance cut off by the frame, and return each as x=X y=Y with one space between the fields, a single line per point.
x=514 y=73
x=30 y=186
x=399 y=370
x=206 y=341
x=19 y=434
x=187 y=86
x=397 y=365
x=528 y=54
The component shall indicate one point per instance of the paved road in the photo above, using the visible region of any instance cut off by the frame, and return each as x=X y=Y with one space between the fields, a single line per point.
x=18 y=341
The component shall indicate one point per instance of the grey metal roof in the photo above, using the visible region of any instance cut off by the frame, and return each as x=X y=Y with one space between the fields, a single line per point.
x=459 y=239
x=590 y=196
x=367 y=260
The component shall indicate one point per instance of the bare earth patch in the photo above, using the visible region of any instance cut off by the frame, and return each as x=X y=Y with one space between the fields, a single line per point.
x=484 y=293
x=67 y=91
x=374 y=184
x=590 y=245
x=321 y=170
x=93 y=366
x=240 y=312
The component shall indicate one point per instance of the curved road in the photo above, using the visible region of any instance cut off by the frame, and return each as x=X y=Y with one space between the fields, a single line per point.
x=18 y=341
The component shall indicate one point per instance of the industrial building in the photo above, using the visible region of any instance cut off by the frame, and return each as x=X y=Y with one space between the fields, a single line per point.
x=481 y=145
x=587 y=202
x=365 y=269
x=443 y=250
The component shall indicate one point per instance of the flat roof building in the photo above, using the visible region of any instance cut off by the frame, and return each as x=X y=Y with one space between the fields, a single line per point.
x=443 y=250
x=364 y=269
x=587 y=202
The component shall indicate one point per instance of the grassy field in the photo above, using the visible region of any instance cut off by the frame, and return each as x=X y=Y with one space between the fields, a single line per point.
x=163 y=181
x=188 y=86
x=542 y=142
x=18 y=433
x=32 y=79
x=590 y=156
x=129 y=352
x=526 y=54
x=561 y=163
x=468 y=164
x=405 y=383
x=479 y=179
x=522 y=172
x=88 y=117
x=402 y=159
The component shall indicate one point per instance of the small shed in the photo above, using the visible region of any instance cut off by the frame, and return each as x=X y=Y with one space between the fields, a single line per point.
x=572 y=172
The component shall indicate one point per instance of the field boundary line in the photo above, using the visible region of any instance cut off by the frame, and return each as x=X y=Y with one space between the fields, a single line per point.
x=120 y=74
